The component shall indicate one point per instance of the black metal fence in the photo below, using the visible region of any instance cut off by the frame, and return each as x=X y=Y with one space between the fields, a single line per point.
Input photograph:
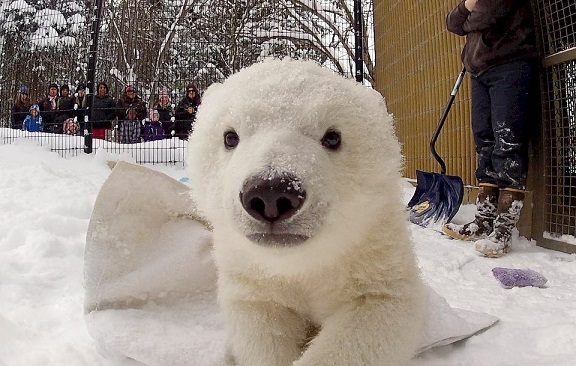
x=556 y=218
x=147 y=55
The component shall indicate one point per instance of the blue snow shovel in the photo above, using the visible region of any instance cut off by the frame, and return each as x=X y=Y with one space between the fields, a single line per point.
x=437 y=197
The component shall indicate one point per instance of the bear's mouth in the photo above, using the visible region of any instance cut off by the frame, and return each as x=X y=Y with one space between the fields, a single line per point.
x=277 y=239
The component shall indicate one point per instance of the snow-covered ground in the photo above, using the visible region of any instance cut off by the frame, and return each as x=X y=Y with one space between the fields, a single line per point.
x=45 y=207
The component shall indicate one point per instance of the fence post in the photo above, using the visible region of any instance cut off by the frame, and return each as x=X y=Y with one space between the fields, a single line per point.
x=358 y=40
x=97 y=12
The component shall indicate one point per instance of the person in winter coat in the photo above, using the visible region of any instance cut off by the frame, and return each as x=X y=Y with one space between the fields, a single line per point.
x=131 y=100
x=49 y=109
x=33 y=121
x=80 y=106
x=153 y=129
x=64 y=107
x=103 y=112
x=20 y=108
x=166 y=112
x=186 y=112
x=500 y=55
x=129 y=128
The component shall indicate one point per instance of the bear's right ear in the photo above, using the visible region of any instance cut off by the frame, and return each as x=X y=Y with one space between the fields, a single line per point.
x=212 y=89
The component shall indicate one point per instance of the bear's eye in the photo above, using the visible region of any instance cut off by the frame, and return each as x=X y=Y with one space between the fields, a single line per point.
x=231 y=139
x=332 y=139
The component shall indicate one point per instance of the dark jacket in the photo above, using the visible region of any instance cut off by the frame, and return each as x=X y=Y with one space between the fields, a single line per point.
x=103 y=112
x=184 y=119
x=65 y=106
x=18 y=114
x=49 y=115
x=497 y=32
x=166 y=112
x=80 y=103
x=125 y=103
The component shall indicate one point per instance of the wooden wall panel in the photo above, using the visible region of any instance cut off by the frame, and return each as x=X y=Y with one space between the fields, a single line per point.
x=417 y=62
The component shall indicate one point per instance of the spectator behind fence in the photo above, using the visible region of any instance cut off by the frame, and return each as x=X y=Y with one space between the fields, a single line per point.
x=129 y=128
x=65 y=108
x=186 y=112
x=49 y=109
x=130 y=100
x=166 y=112
x=71 y=126
x=153 y=129
x=103 y=112
x=33 y=121
x=80 y=106
x=21 y=108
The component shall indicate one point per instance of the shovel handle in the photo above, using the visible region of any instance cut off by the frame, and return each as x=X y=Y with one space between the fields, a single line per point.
x=443 y=119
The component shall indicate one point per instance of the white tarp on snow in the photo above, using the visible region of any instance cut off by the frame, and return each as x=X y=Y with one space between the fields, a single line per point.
x=149 y=270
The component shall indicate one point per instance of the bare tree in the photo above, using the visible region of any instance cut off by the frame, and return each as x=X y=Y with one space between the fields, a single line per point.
x=40 y=43
x=169 y=43
x=325 y=26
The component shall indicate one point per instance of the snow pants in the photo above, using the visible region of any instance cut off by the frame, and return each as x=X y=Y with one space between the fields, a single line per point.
x=505 y=109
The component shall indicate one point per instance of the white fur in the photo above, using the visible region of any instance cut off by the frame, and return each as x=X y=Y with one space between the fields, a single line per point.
x=356 y=277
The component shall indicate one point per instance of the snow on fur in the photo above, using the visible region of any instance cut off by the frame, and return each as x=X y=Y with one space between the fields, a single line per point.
x=353 y=283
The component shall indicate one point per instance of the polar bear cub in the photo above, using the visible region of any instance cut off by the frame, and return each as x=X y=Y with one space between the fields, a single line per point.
x=298 y=170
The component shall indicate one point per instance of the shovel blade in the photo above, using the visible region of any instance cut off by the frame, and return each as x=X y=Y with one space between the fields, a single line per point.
x=437 y=198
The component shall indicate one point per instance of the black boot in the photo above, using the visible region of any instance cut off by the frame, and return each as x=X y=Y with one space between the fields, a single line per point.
x=481 y=227
x=498 y=242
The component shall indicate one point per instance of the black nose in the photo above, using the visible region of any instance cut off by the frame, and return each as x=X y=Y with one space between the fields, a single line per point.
x=272 y=199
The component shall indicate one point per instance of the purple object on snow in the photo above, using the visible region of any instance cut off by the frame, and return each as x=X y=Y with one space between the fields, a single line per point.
x=510 y=277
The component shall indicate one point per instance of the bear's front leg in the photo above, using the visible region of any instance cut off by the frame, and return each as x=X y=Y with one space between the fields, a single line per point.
x=371 y=332
x=263 y=333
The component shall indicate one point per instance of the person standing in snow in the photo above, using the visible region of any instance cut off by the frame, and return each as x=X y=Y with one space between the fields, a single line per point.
x=501 y=57
x=130 y=100
x=103 y=112
x=21 y=108
x=33 y=121
x=49 y=108
x=165 y=112
x=186 y=112
x=80 y=100
x=65 y=107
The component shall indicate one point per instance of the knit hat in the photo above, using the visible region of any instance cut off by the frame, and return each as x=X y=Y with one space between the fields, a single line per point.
x=65 y=87
x=53 y=85
x=34 y=106
x=130 y=109
x=80 y=87
x=24 y=90
x=163 y=92
x=128 y=88
x=153 y=113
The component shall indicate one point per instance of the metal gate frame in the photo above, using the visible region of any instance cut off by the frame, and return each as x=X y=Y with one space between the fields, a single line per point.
x=159 y=49
x=554 y=164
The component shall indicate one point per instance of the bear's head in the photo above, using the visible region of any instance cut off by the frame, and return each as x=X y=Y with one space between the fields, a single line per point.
x=287 y=156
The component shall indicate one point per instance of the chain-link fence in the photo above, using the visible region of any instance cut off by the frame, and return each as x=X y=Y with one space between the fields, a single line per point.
x=142 y=66
x=557 y=219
